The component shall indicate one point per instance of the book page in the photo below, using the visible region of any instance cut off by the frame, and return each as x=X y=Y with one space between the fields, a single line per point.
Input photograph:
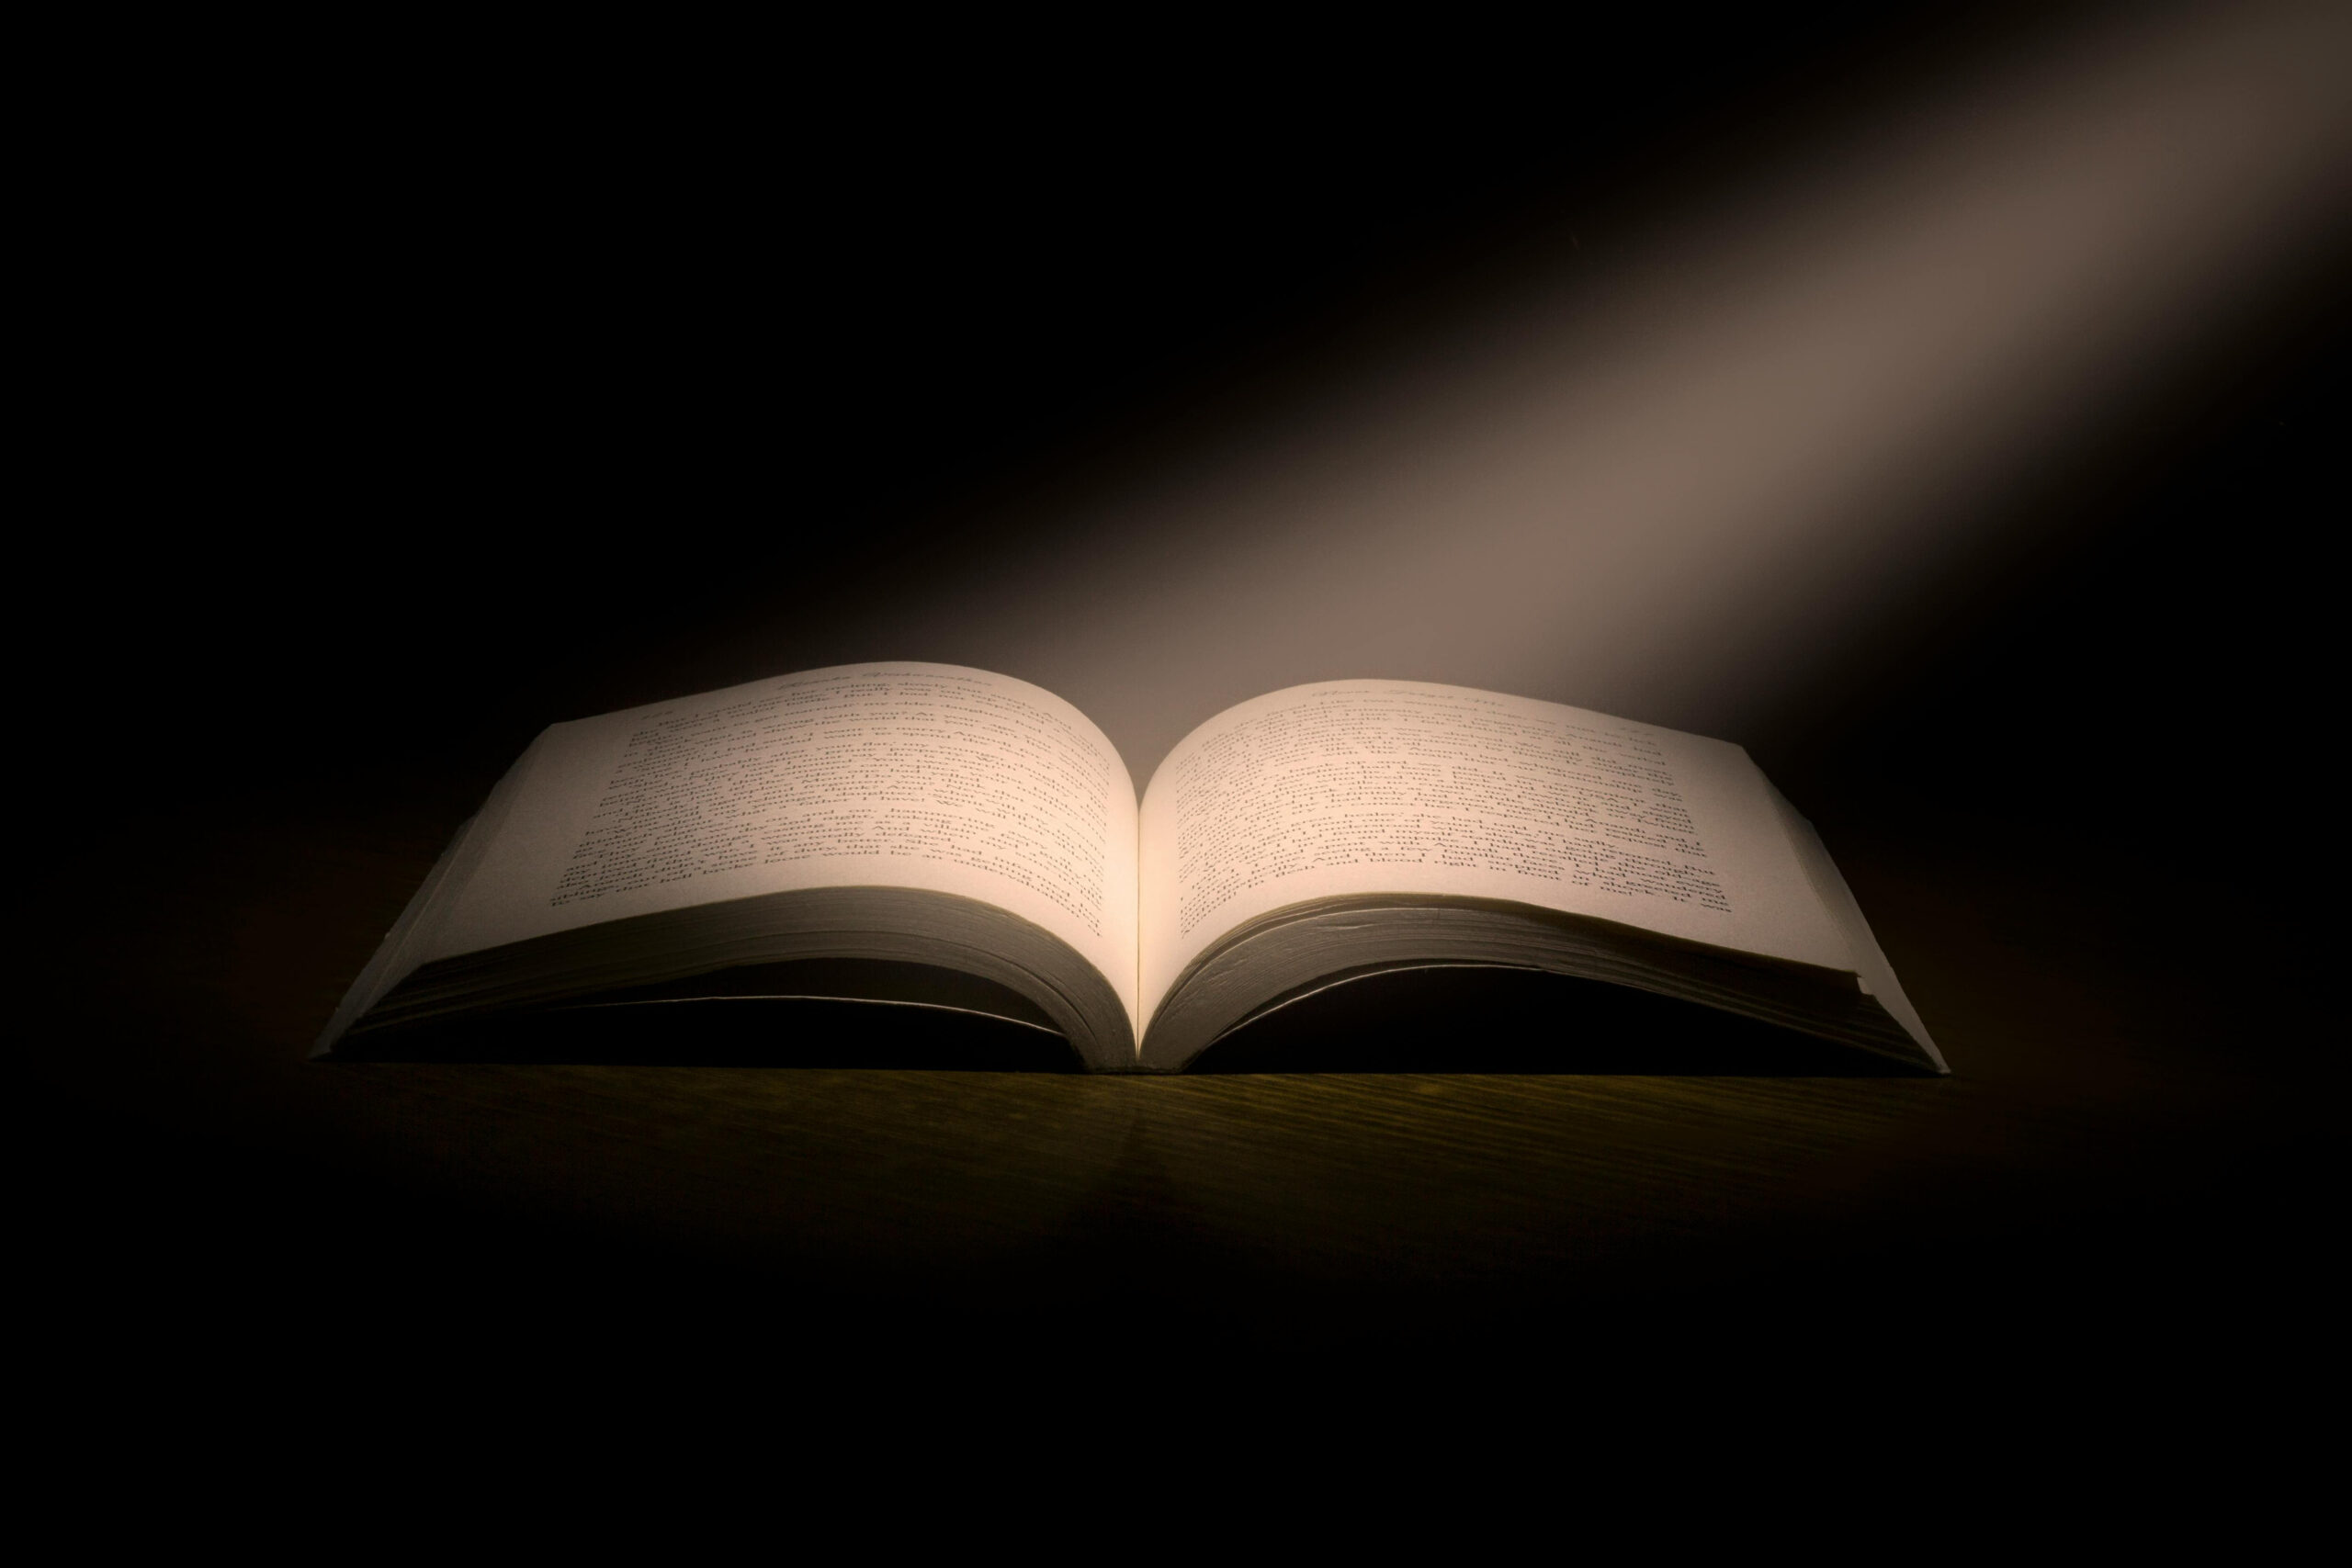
x=892 y=775
x=1388 y=786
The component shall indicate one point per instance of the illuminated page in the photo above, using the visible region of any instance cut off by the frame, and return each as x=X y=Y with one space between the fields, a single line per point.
x=878 y=776
x=1387 y=786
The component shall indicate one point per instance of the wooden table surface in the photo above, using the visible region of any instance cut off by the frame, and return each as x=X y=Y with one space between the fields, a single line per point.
x=2129 y=1120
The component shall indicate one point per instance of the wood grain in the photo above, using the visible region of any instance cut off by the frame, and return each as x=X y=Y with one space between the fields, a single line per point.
x=2108 y=1104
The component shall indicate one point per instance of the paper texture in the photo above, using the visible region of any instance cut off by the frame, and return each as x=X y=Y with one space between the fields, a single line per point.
x=892 y=774
x=1389 y=786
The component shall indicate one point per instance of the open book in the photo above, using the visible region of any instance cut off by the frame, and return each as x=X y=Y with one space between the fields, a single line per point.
x=939 y=836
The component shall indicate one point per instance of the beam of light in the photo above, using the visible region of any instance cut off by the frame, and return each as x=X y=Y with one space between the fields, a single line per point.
x=1668 y=489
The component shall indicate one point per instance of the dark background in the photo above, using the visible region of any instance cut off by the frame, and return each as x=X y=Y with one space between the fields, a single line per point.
x=379 y=369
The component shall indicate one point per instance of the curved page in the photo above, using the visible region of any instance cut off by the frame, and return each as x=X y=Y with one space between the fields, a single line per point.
x=888 y=775
x=1390 y=786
